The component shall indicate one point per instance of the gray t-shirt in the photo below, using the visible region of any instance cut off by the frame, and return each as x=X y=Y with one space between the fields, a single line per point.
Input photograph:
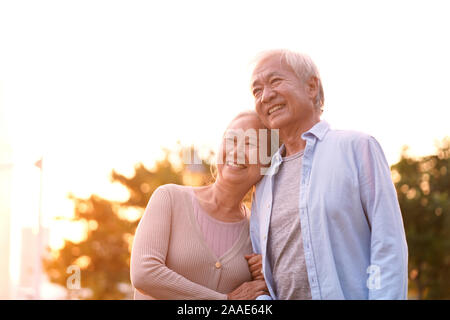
x=285 y=243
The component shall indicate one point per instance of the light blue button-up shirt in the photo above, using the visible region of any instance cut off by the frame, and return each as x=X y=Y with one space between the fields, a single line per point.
x=353 y=235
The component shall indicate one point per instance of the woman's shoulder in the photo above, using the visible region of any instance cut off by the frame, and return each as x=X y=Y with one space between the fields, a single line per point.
x=176 y=192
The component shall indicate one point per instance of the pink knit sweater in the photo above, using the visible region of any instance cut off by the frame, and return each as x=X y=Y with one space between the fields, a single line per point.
x=170 y=258
x=219 y=236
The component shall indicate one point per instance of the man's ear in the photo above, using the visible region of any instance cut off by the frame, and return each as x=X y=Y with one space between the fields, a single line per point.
x=312 y=87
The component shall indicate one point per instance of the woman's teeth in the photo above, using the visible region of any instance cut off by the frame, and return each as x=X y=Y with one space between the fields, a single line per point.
x=232 y=164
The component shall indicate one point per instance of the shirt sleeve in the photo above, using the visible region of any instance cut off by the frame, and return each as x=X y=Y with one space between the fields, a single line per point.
x=388 y=270
x=148 y=271
x=254 y=227
x=264 y=297
x=254 y=236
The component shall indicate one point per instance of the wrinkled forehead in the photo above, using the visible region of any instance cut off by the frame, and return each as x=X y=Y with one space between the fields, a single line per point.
x=267 y=68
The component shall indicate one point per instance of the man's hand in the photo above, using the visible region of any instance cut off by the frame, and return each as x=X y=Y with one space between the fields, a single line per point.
x=254 y=261
x=249 y=290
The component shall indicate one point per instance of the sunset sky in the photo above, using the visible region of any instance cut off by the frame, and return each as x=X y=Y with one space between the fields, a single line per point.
x=97 y=85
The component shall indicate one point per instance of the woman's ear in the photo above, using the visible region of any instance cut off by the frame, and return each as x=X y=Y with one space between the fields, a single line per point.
x=213 y=170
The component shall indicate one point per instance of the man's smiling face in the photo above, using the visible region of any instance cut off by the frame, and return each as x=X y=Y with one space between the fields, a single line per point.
x=280 y=96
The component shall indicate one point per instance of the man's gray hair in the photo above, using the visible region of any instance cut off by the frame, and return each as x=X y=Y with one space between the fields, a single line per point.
x=301 y=64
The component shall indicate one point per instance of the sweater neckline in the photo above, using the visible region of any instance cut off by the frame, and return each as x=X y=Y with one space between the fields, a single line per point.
x=231 y=252
x=204 y=212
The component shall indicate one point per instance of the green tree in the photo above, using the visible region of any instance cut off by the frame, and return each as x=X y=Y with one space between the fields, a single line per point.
x=423 y=189
x=104 y=255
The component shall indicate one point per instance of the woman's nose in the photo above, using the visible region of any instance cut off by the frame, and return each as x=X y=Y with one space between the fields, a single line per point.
x=237 y=153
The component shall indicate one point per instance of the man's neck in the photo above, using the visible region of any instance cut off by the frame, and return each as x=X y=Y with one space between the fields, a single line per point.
x=291 y=136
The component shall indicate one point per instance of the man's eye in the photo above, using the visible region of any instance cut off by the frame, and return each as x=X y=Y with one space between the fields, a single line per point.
x=275 y=80
x=256 y=92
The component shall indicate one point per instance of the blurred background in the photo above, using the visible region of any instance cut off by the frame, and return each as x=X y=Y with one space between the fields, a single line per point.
x=99 y=100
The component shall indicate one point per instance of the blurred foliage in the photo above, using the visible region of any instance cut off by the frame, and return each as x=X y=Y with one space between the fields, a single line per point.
x=104 y=255
x=423 y=188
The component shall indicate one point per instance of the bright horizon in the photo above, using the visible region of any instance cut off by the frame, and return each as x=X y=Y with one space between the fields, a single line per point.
x=99 y=85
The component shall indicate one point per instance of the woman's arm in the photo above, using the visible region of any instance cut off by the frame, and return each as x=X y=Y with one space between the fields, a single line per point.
x=149 y=273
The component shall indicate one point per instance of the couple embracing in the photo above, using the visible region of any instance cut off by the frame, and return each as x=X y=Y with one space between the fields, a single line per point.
x=324 y=222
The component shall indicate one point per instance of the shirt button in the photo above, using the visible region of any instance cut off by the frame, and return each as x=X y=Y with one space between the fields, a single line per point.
x=268 y=205
x=265 y=237
x=218 y=264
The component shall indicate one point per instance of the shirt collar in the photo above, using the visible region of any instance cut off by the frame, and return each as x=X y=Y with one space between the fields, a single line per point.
x=318 y=130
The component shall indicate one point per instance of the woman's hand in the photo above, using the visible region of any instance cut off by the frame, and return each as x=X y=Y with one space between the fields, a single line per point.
x=254 y=261
x=249 y=290
x=255 y=288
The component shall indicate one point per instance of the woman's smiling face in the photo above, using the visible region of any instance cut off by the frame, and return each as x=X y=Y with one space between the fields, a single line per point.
x=238 y=160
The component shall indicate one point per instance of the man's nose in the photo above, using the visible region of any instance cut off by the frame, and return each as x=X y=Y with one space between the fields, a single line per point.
x=267 y=94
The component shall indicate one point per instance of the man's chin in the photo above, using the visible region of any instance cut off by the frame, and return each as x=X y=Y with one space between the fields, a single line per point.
x=276 y=123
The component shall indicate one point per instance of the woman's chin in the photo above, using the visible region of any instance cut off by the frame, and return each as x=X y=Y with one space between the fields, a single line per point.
x=234 y=174
x=243 y=177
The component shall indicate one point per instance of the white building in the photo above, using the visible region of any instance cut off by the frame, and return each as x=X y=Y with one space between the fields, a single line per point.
x=5 y=222
x=5 y=205
x=27 y=274
x=28 y=255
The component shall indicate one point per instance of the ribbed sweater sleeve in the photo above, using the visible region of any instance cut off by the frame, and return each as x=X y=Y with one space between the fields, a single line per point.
x=148 y=271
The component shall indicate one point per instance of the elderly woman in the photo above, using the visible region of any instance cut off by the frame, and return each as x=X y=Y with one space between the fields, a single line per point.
x=193 y=242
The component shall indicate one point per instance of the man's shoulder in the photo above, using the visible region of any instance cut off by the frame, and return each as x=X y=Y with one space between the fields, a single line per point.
x=347 y=138
x=350 y=142
x=347 y=135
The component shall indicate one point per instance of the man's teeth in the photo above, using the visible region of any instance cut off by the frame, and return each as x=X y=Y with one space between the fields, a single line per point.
x=232 y=164
x=275 y=108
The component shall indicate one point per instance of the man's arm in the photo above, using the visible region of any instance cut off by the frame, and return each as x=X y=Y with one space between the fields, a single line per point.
x=254 y=236
x=254 y=227
x=388 y=270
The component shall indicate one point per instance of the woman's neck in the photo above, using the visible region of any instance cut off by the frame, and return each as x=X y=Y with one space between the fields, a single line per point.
x=223 y=201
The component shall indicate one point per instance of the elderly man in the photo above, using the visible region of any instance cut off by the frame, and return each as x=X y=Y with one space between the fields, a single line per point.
x=326 y=217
